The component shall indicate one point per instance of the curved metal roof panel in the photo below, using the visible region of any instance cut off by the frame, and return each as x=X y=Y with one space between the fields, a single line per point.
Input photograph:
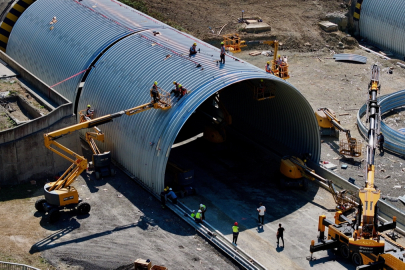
x=79 y=35
x=383 y=23
x=141 y=143
x=350 y=57
x=125 y=71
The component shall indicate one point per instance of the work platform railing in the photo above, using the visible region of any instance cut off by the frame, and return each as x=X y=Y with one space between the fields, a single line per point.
x=15 y=266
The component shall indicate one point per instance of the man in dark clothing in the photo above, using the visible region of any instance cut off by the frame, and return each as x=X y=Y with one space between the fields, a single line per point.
x=176 y=91
x=183 y=91
x=280 y=233
x=222 y=61
x=172 y=196
x=193 y=49
x=380 y=140
x=155 y=92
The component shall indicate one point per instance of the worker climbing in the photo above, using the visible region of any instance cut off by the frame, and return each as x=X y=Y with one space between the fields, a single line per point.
x=89 y=111
x=193 y=49
x=154 y=92
x=182 y=92
x=198 y=217
x=222 y=55
x=176 y=90
x=267 y=67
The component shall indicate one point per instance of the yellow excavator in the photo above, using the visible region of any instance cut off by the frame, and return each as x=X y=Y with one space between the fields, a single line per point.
x=61 y=193
x=361 y=240
x=330 y=125
x=296 y=175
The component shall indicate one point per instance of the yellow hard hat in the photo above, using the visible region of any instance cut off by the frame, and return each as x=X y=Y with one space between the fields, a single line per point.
x=268 y=62
x=88 y=106
x=180 y=85
x=278 y=55
x=195 y=44
x=155 y=83
x=174 y=82
x=222 y=43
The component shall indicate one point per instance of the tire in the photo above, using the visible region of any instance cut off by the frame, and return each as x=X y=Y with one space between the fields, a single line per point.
x=344 y=251
x=97 y=175
x=83 y=208
x=54 y=215
x=357 y=259
x=39 y=205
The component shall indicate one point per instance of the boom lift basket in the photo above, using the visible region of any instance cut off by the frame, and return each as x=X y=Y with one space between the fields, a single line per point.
x=352 y=149
x=233 y=43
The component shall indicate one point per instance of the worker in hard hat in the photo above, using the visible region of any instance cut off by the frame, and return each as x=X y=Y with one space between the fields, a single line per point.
x=380 y=140
x=172 y=196
x=89 y=111
x=198 y=217
x=268 y=68
x=154 y=92
x=176 y=89
x=193 y=49
x=235 y=232
x=192 y=215
x=222 y=55
x=203 y=209
x=183 y=91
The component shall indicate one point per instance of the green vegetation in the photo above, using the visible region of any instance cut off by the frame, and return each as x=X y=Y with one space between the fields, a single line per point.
x=142 y=7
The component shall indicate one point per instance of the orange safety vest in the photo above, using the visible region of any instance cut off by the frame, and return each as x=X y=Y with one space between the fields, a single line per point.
x=268 y=69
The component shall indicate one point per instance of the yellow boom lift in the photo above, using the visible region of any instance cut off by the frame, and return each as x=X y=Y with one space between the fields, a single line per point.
x=298 y=174
x=361 y=240
x=61 y=193
x=330 y=125
x=278 y=70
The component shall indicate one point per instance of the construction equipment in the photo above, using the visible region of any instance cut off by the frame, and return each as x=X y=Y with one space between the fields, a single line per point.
x=61 y=193
x=330 y=125
x=233 y=43
x=362 y=240
x=279 y=70
x=101 y=161
x=298 y=174
x=219 y=118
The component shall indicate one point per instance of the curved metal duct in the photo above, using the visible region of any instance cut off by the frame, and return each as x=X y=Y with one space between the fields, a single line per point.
x=383 y=23
x=124 y=73
x=394 y=140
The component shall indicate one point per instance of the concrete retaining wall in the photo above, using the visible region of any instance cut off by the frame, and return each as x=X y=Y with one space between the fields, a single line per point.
x=23 y=155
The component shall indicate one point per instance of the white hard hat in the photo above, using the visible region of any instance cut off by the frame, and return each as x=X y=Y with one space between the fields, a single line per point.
x=193 y=211
x=170 y=188
x=201 y=205
x=199 y=211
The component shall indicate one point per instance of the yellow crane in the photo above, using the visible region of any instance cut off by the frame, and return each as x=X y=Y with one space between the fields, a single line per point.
x=61 y=193
x=361 y=240
x=281 y=69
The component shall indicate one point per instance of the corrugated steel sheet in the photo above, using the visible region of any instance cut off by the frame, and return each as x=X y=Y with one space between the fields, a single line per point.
x=383 y=23
x=124 y=74
x=350 y=57
x=394 y=140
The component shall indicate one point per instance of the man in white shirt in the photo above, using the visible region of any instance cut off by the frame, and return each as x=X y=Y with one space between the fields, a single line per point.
x=261 y=210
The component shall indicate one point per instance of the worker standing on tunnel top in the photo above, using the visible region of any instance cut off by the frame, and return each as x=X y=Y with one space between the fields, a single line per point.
x=198 y=217
x=261 y=210
x=268 y=68
x=203 y=209
x=89 y=111
x=193 y=49
x=222 y=55
x=380 y=140
x=154 y=92
x=235 y=232
x=172 y=196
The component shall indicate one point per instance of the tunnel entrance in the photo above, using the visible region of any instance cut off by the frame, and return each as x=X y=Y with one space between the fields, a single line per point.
x=242 y=169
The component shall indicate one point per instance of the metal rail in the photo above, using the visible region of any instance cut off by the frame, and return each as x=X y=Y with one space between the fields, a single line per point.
x=16 y=266
x=394 y=140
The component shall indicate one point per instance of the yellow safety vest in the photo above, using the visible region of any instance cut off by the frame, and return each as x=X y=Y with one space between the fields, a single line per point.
x=235 y=229
x=198 y=216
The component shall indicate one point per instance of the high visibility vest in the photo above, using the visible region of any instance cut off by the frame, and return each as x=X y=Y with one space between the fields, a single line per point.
x=235 y=229
x=192 y=215
x=198 y=216
x=267 y=67
x=202 y=208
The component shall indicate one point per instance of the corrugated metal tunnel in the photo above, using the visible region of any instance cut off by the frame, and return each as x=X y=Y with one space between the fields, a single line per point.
x=128 y=57
x=383 y=23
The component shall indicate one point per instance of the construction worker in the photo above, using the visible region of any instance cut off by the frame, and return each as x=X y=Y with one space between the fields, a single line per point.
x=267 y=67
x=193 y=49
x=172 y=196
x=203 y=209
x=235 y=232
x=89 y=111
x=163 y=197
x=282 y=69
x=154 y=92
x=198 y=217
x=176 y=91
x=222 y=55
x=192 y=214
x=261 y=88
x=183 y=91
x=380 y=140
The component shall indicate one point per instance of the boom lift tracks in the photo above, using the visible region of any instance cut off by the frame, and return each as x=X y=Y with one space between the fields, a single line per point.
x=361 y=240
x=61 y=193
